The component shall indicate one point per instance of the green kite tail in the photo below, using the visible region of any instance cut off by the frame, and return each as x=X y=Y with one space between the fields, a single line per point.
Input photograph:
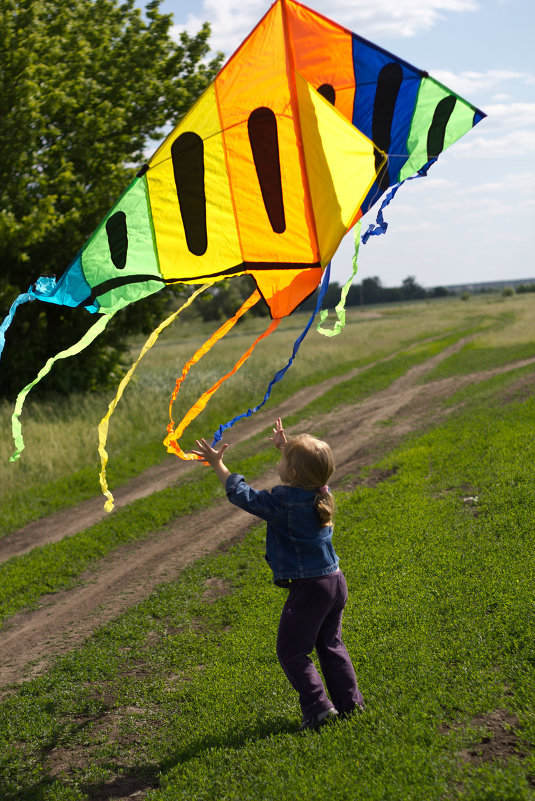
x=86 y=340
x=341 y=306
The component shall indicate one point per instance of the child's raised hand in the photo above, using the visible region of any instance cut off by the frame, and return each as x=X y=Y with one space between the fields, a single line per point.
x=279 y=437
x=209 y=454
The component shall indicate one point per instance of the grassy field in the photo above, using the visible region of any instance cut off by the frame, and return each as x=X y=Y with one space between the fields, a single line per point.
x=182 y=697
x=60 y=463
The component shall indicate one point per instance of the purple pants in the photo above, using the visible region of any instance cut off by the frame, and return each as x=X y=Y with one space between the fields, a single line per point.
x=312 y=618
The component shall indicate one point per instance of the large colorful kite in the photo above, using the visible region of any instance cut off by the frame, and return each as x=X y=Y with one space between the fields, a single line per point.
x=301 y=132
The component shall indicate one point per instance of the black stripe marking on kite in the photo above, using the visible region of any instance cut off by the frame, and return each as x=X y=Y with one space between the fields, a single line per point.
x=437 y=131
x=114 y=283
x=187 y=153
x=117 y=239
x=250 y=266
x=328 y=91
x=264 y=139
x=386 y=94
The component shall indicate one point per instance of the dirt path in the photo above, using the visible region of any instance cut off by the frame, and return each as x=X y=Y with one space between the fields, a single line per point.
x=65 y=619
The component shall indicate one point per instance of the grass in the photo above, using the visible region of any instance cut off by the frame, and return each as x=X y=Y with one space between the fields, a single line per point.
x=182 y=697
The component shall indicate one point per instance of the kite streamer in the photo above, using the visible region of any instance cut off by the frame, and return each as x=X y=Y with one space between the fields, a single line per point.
x=280 y=374
x=340 y=308
x=86 y=340
x=104 y=423
x=171 y=440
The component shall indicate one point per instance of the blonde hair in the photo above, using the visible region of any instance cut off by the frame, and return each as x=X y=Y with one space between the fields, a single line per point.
x=309 y=464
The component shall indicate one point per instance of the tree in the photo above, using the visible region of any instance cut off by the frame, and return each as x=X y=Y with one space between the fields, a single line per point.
x=85 y=85
x=372 y=291
x=410 y=290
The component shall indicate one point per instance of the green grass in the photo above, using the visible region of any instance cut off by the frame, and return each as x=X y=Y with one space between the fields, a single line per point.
x=183 y=697
x=473 y=358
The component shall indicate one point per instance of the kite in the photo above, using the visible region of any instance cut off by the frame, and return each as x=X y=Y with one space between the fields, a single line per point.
x=302 y=131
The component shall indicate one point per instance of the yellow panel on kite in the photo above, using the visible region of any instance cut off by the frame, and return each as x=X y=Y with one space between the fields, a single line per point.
x=192 y=210
x=341 y=164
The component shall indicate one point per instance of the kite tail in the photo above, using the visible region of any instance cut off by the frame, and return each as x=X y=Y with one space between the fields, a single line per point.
x=171 y=440
x=43 y=289
x=340 y=309
x=86 y=340
x=280 y=374
x=22 y=298
x=104 y=423
x=380 y=223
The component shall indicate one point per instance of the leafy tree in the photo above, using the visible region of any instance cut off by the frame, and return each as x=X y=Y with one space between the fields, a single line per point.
x=411 y=290
x=372 y=291
x=85 y=85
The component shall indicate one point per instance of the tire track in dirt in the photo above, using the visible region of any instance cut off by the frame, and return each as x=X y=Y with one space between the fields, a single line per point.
x=131 y=572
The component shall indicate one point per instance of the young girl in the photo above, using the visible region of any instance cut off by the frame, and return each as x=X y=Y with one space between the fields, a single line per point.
x=300 y=553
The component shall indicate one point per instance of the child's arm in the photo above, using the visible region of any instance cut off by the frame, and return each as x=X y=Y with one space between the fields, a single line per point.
x=214 y=458
x=279 y=437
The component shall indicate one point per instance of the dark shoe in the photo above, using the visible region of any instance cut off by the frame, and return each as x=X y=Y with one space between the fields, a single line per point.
x=356 y=709
x=327 y=716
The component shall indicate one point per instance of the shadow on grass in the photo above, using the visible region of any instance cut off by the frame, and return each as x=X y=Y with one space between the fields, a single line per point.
x=133 y=779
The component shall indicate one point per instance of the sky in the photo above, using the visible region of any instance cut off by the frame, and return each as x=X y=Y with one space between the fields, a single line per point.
x=472 y=219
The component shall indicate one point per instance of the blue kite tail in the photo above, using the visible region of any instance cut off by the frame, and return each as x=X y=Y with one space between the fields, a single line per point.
x=280 y=374
x=380 y=224
x=43 y=286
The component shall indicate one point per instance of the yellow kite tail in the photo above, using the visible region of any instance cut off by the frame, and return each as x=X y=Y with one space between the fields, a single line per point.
x=171 y=440
x=86 y=340
x=104 y=423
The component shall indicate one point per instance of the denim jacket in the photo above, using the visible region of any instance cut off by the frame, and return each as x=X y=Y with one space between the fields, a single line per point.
x=297 y=546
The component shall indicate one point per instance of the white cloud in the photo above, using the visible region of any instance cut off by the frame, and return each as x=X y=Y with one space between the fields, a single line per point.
x=468 y=82
x=390 y=18
x=506 y=114
x=231 y=20
x=515 y=145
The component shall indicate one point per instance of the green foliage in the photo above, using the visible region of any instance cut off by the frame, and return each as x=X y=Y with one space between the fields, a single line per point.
x=84 y=87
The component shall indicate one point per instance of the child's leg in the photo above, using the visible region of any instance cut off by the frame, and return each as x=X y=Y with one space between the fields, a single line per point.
x=300 y=622
x=333 y=656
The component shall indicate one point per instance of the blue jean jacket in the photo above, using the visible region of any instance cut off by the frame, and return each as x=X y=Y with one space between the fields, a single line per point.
x=297 y=545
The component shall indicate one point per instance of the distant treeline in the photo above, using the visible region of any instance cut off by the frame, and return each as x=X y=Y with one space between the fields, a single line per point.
x=370 y=291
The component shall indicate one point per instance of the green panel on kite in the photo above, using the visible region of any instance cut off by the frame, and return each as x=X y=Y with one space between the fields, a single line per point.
x=120 y=261
x=439 y=119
